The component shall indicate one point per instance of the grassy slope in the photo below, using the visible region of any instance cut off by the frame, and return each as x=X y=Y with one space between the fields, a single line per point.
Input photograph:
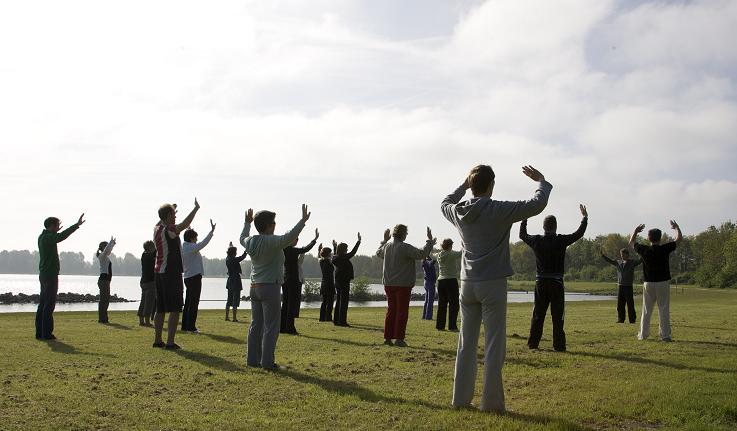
x=108 y=377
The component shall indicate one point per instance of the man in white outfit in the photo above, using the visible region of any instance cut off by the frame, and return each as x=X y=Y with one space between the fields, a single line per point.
x=484 y=224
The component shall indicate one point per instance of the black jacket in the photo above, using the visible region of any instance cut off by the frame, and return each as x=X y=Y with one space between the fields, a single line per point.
x=550 y=249
x=343 y=266
x=291 y=261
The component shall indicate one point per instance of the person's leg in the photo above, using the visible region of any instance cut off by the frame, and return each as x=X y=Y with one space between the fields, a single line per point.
x=256 y=331
x=149 y=307
x=427 y=301
x=158 y=327
x=442 y=304
x=558 y=313
x=664 y=310
x=344 y=304
x=51 y=306
x=228 y=303
x=298 y=303
x=621 y=300
x=402 y=314
x=630 y=297
x=648 y=302
x=160 y=309
x=338 y=301
x=330 y=296
x=494 y=314
x=465 y=367
x=293 y=305
x=283 y=324
x=272 y=311
x=43 y=295
x=174 y=304
x=391 y=312
x=195 y=304
x=186 y=313
x=538 y=315
x=453 y=306
x=323 y=302
x=104 y=286
x=141 y=306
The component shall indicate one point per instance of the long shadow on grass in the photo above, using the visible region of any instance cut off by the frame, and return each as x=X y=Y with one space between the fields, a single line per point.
x=709 y=343
x=537 y=419
x=119 y=326
x=349 y=388
x=639 y=360
x=61 y=347
x=225 y=338
x=209 y=360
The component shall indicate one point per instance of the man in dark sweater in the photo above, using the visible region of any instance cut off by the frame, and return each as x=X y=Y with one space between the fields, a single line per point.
x=625 y=278
x=656 y=275
x=48 y=273
x=292 y=286
x=550 y=256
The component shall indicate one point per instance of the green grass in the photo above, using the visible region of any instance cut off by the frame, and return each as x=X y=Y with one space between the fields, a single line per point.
x=109 y=377
x=593 y=287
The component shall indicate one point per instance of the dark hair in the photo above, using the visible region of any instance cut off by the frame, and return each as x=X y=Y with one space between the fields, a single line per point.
x=165 y=210
x=263 y=219
x=480 y=179
x=400 y=230
x=231 y=251
x=624 y=251
x=550 y=223
x=101 y=247
x=325 y=252
x=654 y=235
x=148 y=244
x=51 y=221
x=446 y=244
x=190 y=235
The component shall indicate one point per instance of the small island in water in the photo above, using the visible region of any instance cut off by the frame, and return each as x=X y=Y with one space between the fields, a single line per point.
x=22 y=298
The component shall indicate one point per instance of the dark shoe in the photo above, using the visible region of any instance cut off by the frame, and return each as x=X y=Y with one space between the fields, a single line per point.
x=174 y=346
x=559 y=349
x=274 y=367
x=388 y=343
x=400 y=343
x=236 y=320
x=254 y=366
x=159 y=345
x=620 y=321
x=668 y=340
x=227 y=319
x=531 y=347
x=50 y=338
x=453 y=329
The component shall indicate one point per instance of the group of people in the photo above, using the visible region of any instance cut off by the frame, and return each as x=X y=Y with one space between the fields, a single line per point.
x=483 y=225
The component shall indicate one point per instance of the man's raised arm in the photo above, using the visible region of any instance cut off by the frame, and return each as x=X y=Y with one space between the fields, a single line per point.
x=188 y=220
x=633 y=237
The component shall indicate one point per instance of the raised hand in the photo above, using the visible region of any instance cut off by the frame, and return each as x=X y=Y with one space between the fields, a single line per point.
x=387 y=235
x=81 y=220
x=359 y=236
x=639 y=228
x=317 y=234
x=429 y=236
x=305 y=213
x=533 y=173
x=335 y=245
x=584 y=213
x=212 y=226
x=196 y=204
x=230 y=244
x=319 y=248
x=673 y=225
x=249 y=215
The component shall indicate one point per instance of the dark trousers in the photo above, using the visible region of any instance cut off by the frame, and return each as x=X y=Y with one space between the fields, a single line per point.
x=326 y=307
x=548 y=292
x=397 y=311
x=625 y=295
x=448 y=303
x=104 y=303
x=289 y=303
x=298 y=302
x=193 y=286
x=342 y=290
x=46 y=304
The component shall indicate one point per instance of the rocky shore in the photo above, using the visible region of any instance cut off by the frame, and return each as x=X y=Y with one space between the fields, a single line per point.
x=21 y=298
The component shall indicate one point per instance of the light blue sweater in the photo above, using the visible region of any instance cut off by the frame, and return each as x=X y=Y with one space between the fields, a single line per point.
x=484 y=225
x=266 y=251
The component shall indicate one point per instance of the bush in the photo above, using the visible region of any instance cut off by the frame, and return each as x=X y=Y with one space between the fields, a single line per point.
x=360 y=289
x=311 y=291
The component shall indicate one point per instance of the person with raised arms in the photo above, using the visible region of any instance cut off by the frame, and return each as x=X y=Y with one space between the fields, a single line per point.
x=399 y=278
x=106 y=276
x=343 y=276
x=267 y=275
x=625 y=281
x=327 y=283
x=448 y=305
x=48 y=273
x=147 y=306
x=234 y=285
x=430 y=277
x=550 y=257
x=292 y=286
x=656 y=276
x=484 y=224
x=168 y=269
x=193 y=271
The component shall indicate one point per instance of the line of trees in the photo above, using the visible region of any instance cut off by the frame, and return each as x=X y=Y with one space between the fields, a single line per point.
x=708 y=259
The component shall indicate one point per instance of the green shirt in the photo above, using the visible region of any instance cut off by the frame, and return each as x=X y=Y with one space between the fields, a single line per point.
x=48 y=263
x=448 y=263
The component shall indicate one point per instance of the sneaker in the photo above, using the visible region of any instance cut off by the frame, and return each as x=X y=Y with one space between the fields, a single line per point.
x=160 y=344
x=400 y=343
x=174 y=346
x=388 y=343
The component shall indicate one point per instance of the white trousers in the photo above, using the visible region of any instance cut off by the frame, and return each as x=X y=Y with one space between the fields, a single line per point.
x=482 y=301
x=653 y=292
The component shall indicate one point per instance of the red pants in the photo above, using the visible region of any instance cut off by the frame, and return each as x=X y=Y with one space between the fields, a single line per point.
x=395 y=323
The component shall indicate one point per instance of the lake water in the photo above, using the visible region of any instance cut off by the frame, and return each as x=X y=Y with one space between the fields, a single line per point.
x=213 y=293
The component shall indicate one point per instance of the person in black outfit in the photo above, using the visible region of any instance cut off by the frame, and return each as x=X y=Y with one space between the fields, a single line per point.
x=625 y=278
x=550 y=256
x=291 y=287
x=327 y=283
x=147 y=306
x=343 y=276
x=234 y=283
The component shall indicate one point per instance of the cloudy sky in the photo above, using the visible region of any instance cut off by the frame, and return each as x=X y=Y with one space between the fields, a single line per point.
x=369 y=111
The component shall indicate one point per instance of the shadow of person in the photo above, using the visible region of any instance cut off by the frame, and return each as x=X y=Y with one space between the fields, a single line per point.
x=544 y=420
x=62 y=347
x=708 y=343
x=118 y=326
x=210 y=361
x=646 y=361
x=225 y=338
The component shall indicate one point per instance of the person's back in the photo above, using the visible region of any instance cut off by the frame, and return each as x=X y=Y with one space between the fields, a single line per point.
x=550 y=249
x=327 y=271
x=233 y=266
x=267 y=257
x=656 y=260
x=399 y=262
